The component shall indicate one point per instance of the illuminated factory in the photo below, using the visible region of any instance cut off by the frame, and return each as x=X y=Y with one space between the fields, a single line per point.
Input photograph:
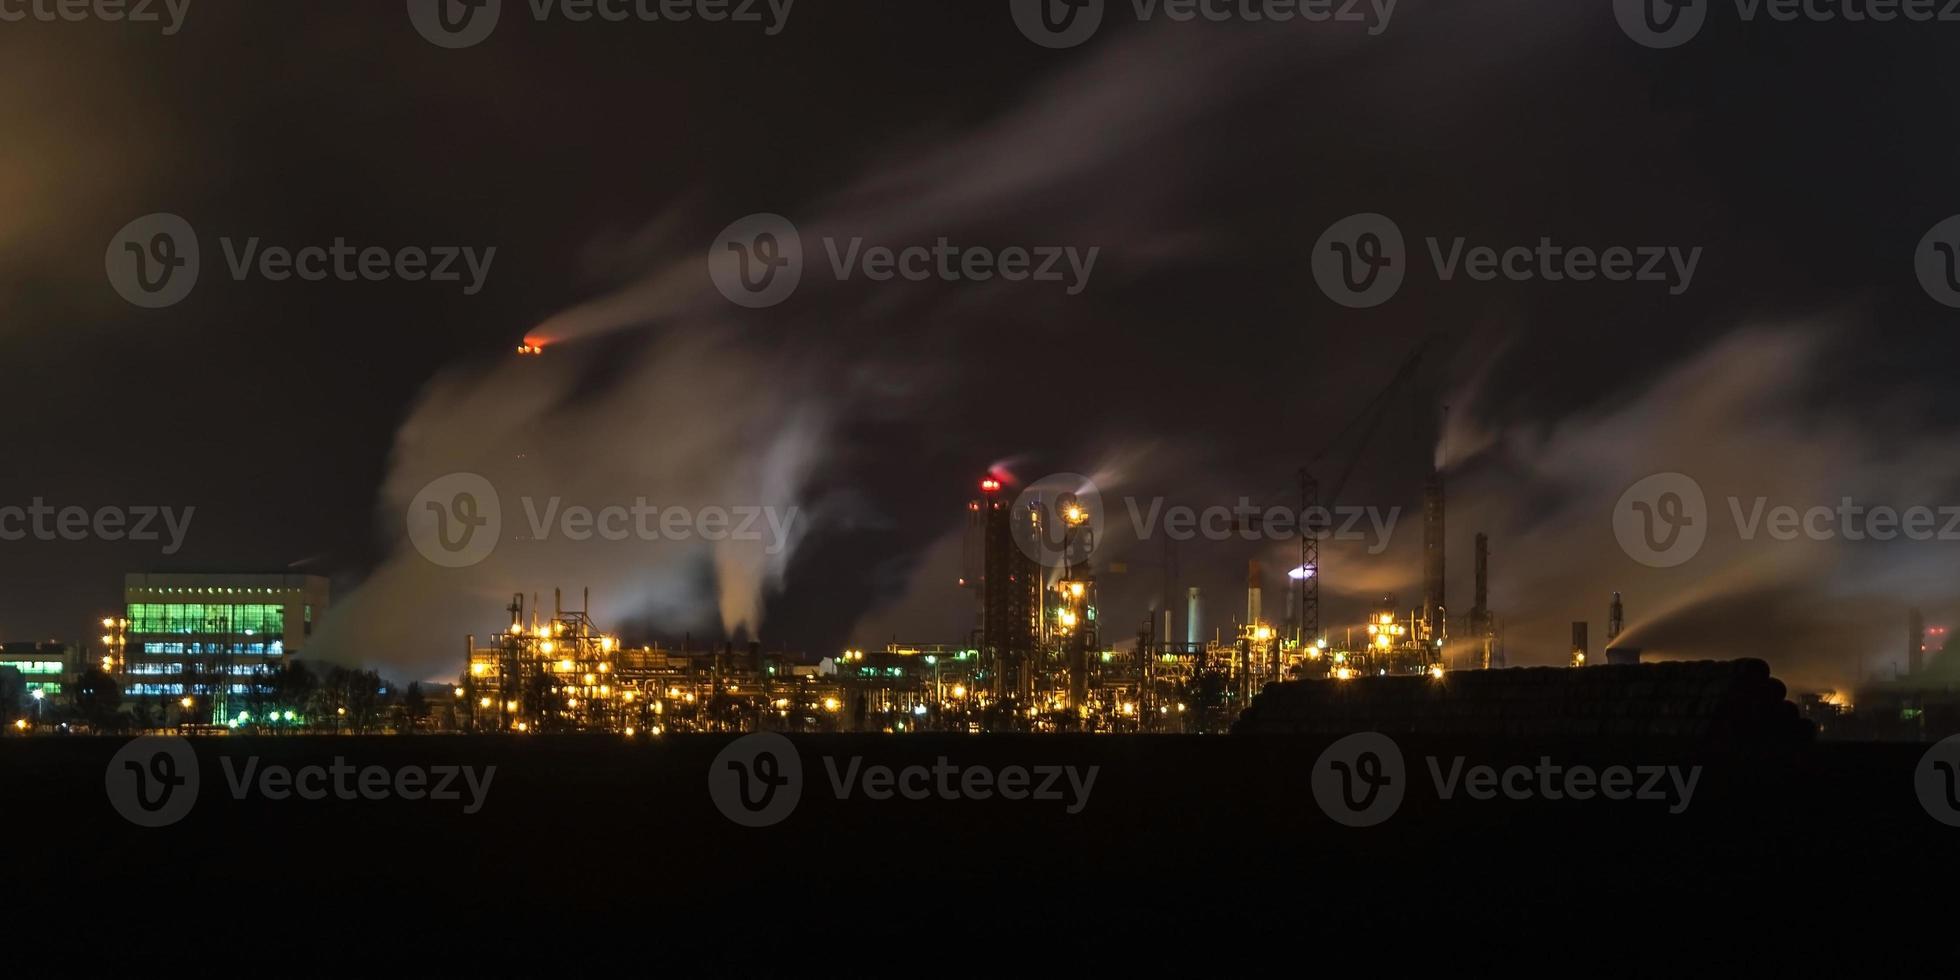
x=1037 y=660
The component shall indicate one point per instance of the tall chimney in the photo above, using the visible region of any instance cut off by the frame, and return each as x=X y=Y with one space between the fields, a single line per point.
x=1194 y=631
x=1915 y=641
x=1252 y=594
x=1616 y=620
x=1433 y=606
x=1483 y=576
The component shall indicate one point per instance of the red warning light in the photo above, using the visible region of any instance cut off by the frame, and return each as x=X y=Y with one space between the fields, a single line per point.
x=990 y=485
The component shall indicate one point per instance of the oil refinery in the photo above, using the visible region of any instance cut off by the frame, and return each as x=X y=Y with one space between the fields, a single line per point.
x=1040 y=657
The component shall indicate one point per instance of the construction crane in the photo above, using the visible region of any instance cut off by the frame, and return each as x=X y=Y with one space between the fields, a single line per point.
x=1364 y=425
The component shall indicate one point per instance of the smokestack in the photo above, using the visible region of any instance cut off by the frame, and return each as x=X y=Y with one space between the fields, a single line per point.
x=1194 y=630
x=1915 y=641
x=1252 y=594
x=1616 y=620
x=1164 y=637
x=1580 y=646
x=1483 y=576
x=1433 y=605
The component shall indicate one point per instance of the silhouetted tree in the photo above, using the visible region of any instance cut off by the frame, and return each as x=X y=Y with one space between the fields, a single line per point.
x=98 y=700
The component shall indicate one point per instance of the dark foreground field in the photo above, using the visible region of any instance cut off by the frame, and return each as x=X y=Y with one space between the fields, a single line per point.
x=1177 y=837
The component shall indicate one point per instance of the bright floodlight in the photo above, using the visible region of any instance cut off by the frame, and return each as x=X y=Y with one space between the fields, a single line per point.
x=1304 y=571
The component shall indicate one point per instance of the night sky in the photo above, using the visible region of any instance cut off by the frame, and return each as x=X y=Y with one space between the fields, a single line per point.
x=1201 y=363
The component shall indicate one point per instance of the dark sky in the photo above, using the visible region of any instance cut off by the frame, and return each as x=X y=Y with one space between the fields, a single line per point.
x=1202 y=363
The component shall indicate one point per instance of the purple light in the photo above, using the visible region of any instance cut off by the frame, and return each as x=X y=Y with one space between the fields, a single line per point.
x=1304 y=571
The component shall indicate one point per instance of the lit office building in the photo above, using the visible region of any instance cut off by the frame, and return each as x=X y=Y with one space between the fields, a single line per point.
x=45 y=667
x=210 y=638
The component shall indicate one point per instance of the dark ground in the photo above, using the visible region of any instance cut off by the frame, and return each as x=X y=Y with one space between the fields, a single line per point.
x=1184 y=842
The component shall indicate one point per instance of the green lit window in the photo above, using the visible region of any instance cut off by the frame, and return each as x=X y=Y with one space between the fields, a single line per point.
x=209 y=618
x=34 y=666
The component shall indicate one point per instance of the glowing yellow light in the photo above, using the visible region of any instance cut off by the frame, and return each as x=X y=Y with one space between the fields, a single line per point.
x=459 y=692
x=483 y=702
x=830 y=704
x=1342 y=673
x=1387 y=618
x=591 y=679
x=1265 y=633
x=1373 y=629
x=629 y=731
x=959 y=690
x=566 y=666
x=1382 y=641
x=517 y=629
x=627 y=695
x=510 y=706
x=1436 y=672
x=478 y=670
x=108 y=624
x=1068 y=618
x=606 y=644
x=185 y=704
x=20 y=724
x=1075 y=589
x=547 y=647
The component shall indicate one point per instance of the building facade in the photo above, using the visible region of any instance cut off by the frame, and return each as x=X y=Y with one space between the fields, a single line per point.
x=209 y=637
